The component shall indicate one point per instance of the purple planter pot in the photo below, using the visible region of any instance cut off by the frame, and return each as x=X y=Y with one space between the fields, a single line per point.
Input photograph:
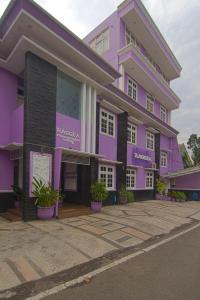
x=123 y=200
x=96 y=206
x=158 y=196
x=45 y=213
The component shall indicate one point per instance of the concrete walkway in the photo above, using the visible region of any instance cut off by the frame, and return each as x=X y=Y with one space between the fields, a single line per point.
x=30 y=251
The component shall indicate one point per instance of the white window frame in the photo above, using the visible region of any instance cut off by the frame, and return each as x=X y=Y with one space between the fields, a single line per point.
x=104 y=38
x=134 y=88
x=133 y=133
x=163 y=159
x=107 y=172
x=149 y=180
x=150 y=103
x=106 y=118
x=150 y=137
x=163 y=114
x=131 y=174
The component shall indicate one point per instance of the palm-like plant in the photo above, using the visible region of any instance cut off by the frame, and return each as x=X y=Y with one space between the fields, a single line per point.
x=45 y=195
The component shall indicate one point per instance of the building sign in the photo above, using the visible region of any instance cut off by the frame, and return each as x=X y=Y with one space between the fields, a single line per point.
x=68 y=132
x=40 y=168
x=68 y=135
x=142 y=157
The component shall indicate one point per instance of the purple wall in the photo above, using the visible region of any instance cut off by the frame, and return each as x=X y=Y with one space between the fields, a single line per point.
x=68 y=132
x=8 y=96
x=17 y=125
x=188 y=182
x=6 y=171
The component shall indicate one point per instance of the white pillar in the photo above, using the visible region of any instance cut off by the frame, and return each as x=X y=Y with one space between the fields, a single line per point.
x=121 y=79
x=93 y=124
x=88 y=119
x=83 y=116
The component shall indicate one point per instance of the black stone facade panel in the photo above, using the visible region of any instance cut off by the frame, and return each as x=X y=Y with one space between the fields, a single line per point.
x=39 y=119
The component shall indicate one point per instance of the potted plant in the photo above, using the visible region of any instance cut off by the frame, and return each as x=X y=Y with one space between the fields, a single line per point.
x=46 y=198
x=123 y=195
x=160 y=189
x=18 y=195
x=99 y=193
x=181 y=197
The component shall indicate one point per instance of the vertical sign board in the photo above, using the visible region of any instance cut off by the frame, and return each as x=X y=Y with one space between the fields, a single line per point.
x=40 y=168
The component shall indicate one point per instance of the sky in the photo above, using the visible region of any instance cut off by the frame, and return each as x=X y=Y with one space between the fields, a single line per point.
x=178 y=21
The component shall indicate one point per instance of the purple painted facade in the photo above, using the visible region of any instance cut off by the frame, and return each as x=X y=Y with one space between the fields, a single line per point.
x=187 y=182
x=79 y=135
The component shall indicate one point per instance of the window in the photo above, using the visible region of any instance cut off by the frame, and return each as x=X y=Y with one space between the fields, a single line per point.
x=150 y=140
x=101 y=43
x=130 y=179
x=163 y=114
x=149 y=180
x=163 y=159
x=150 y=103
x=107 y=121
x=106 y=175
x=132 y=89
x=132 y=133
x=68 y=96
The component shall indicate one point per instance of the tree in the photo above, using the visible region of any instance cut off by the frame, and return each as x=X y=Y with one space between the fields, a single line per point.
x=194 y=145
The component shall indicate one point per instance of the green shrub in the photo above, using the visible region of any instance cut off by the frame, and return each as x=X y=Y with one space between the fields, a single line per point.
x=178 y=195
x=18 y=192
x=98 y=191
x=130 y=196
x=160 y=186
x=123 y=192
x=45 y=195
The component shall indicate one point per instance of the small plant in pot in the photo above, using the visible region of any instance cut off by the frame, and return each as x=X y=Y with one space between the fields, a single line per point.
x=18 y=195
x=46 y=198
x=99 y=194
x=123 y=195
x=160 y=189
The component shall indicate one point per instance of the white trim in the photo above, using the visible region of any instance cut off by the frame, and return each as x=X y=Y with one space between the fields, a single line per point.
x=131 y=132
x=130 y=188
x=107 y=105
x=106 y=174
x=135 y=121
x=83 y=116
x=88 y=118
x=6 y=191
x=183 y=189
x=152 y=149
x=150 y=187
x=93 y=124
x=80 y=153
x=164 y=158
x=136 y=89
x=60 y=38
x=114 y=122
x=152 y=130
x=163 y=110
x=107 y=161
x=122 y=78
x=152 y=100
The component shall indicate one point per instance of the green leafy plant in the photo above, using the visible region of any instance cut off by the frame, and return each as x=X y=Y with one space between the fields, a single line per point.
x=130 y=196
x=179 y=196
x=98 y=191
x=18 y=192
x=45 y=195
x=123 y=192
x=160 y=186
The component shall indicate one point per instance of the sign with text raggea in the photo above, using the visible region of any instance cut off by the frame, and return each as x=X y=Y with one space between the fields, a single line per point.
x=68 y=132
x=142 y=157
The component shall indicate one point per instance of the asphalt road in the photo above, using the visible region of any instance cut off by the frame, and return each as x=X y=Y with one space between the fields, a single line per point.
x=169 y=272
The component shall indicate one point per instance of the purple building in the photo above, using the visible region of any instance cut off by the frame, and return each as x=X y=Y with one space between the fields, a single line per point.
x=74 y=111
